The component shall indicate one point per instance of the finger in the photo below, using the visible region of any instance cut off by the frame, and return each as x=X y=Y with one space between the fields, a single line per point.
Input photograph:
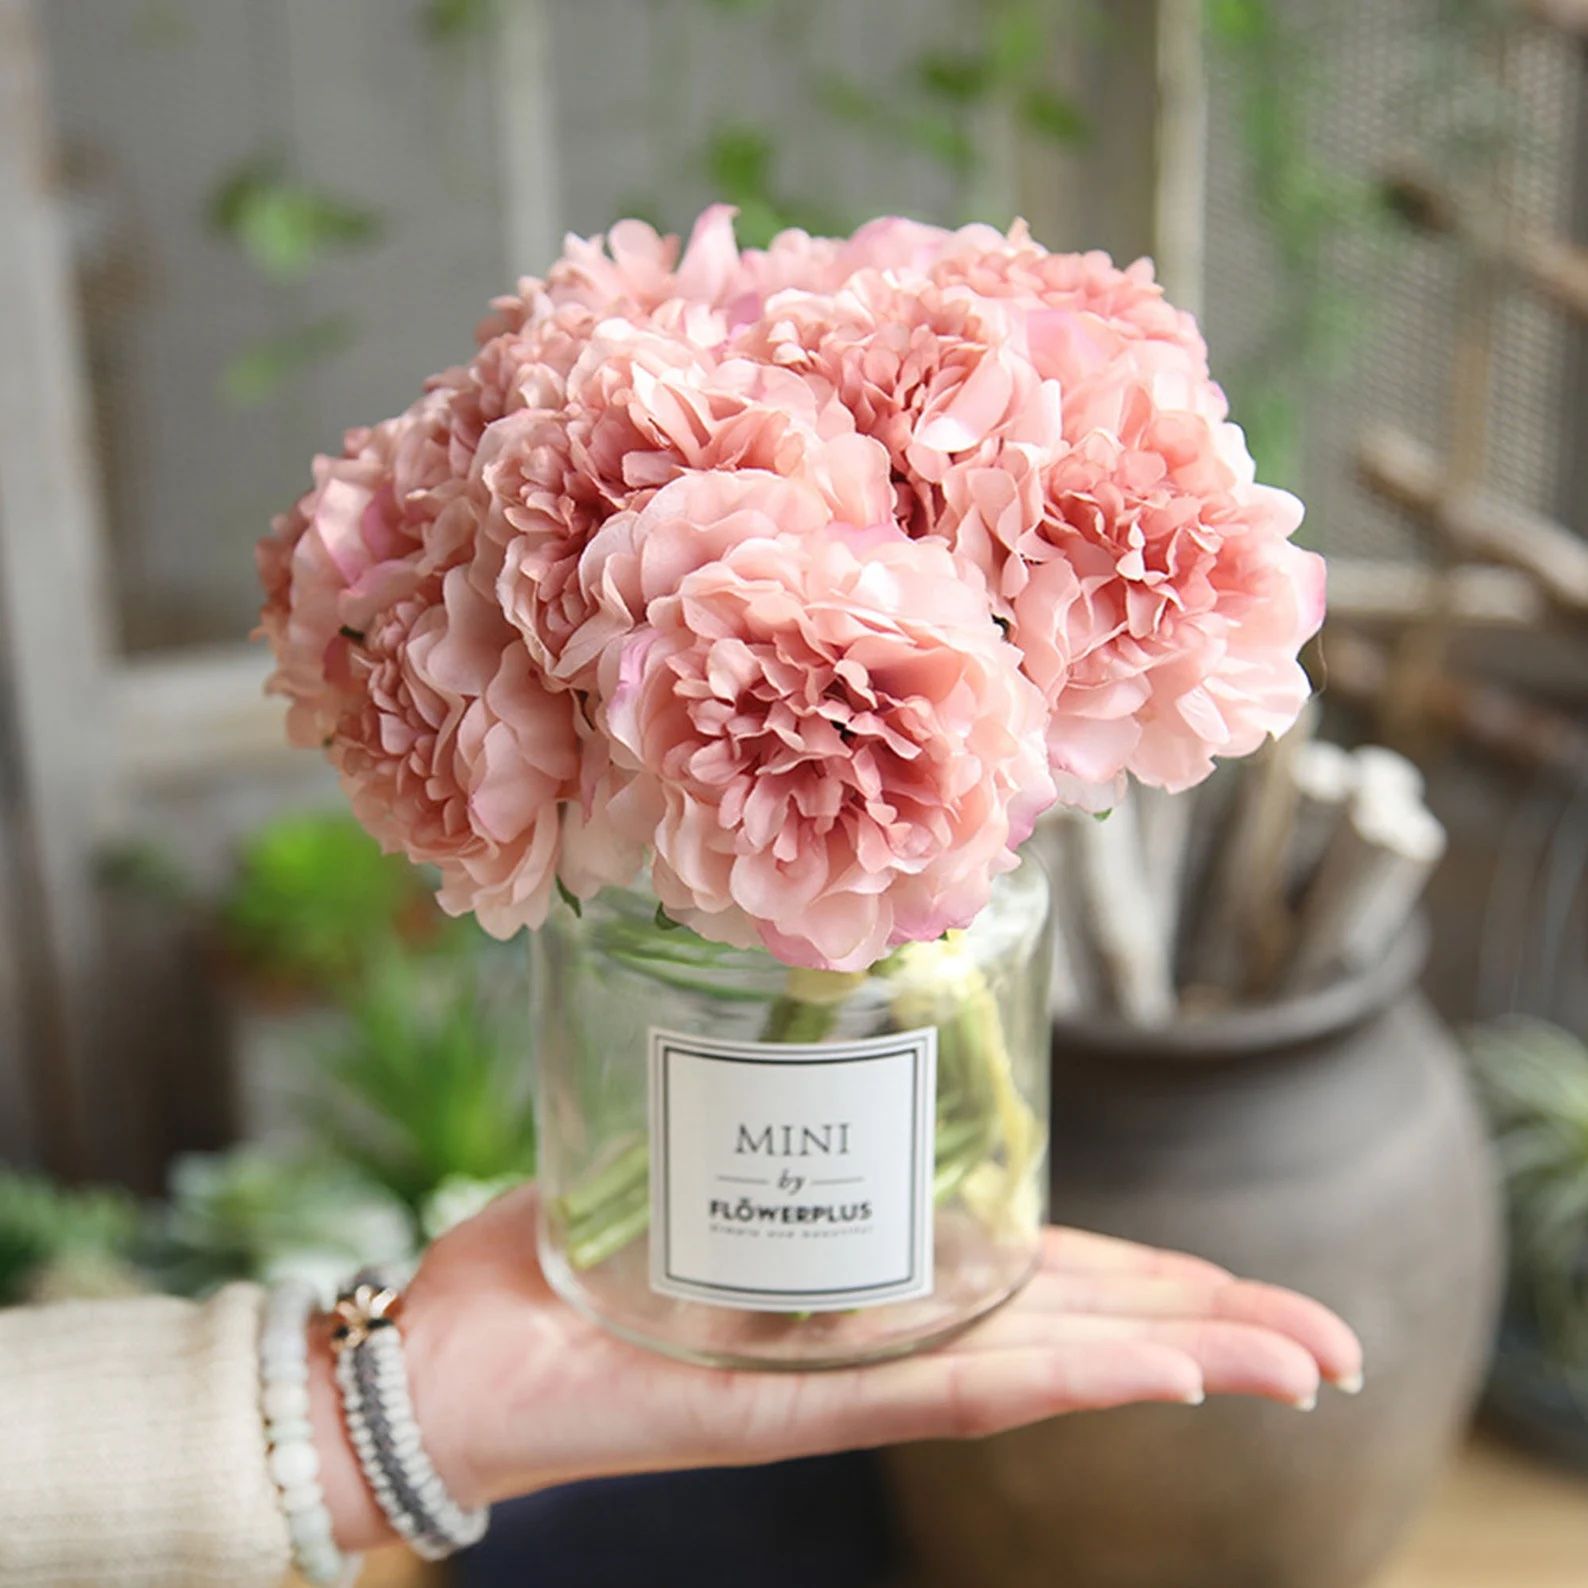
x=1234 y=1358
x=957 y=1394
x=1081 y=1252
x=1310 y=1324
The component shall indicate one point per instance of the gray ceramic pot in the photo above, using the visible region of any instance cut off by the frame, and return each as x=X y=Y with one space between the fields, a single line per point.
x=1327 y=1143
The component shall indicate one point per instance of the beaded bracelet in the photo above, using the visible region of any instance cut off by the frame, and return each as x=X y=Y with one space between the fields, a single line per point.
x=293 y=1462
x=384 y=1432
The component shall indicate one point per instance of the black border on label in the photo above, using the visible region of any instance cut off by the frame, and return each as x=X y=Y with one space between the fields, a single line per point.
x=664 y=1044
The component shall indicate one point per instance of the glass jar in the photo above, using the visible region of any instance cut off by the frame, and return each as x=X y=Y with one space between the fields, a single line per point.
x=750 y=1165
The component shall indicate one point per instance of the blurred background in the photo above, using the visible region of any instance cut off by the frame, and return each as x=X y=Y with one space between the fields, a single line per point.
x=234 y=1039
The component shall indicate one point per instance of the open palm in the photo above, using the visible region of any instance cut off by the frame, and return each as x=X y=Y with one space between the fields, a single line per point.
x=516 y=1391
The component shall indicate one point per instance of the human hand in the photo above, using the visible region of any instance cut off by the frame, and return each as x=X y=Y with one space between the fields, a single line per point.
x=515 y=1391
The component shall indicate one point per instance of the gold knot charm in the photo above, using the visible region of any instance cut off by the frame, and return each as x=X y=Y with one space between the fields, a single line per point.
x=359 y=1312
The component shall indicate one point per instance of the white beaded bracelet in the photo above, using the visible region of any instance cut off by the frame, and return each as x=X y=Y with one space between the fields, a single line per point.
x=293 y=1461
x=384 y=1432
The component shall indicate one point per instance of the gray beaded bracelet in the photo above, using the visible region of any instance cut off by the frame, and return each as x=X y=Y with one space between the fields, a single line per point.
x=293 y=1462
x=384 y=1432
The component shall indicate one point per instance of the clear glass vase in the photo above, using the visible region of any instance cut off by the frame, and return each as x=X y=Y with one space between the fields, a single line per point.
x=750 y=1165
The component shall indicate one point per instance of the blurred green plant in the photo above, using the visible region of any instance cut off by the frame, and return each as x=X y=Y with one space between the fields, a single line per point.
x=949 y=94
x=740 y=162
x=286 y=227
x=938 y=107
x=256 y=372
x=1534 y=1080
x=256 y=1213
x=1305 y=209
x=450 y=21
x=430 y=1084
x=54 y=1240
x=315 y=903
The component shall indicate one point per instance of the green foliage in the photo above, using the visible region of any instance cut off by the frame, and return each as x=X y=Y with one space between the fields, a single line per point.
x=430 y=1084
x=1017 y=38
x=740 y=162
x=1052 y=115
x=1240 y=22
x=283 y=226
x=961 y=78
x=1534 y=1079
x=941 y=134
x=258 y=371
x=1305 y=208
x=44 y=1227
x=450 y=21
x=931 y=111
x=254 y=1213
x=316 y=903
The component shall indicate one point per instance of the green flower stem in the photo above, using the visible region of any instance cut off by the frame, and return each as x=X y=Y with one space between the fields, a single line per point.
x=940 y=984
x=808 y=1009
x=628 y=1169
x=610 y=1229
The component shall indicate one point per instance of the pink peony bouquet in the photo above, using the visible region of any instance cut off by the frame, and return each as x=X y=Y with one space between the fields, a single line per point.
x=806 y=578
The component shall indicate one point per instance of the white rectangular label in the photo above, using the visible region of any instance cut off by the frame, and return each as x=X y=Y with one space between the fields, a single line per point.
x=790 y=1177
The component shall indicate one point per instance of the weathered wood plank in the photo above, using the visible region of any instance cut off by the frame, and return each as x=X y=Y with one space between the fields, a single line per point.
x=53 y=605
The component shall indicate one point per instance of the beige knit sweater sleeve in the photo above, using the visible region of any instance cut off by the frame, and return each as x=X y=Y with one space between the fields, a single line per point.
x=131 y=1446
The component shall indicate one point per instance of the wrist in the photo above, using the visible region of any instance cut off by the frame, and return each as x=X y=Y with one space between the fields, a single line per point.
x=357 y=1522
x=451 y=1395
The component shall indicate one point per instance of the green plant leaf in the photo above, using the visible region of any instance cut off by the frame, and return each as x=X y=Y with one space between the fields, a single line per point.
x=1239 y=21
x=43 y=1225
x=260 y=1213
x=258 y=372
x=739 y=162
x=1017 y=40
x=960 y=78
x=432 y=1081
x=758 y=222
x=849 y=101
x=449 y=21
x=315 y=902
x=942 y=136
x=1053 y=115
x=286 y=227
x=572 y=900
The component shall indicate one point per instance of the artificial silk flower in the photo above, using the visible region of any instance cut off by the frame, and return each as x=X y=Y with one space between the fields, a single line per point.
x=803 y=578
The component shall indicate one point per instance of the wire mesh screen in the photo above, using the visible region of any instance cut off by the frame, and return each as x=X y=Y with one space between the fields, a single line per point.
x=211 y=153
x=286 y=213
x=1387 y=82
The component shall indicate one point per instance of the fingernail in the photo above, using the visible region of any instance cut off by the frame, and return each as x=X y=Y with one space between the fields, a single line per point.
x=1306 y=1403
x=1350 y=1384
x=1195 y=1398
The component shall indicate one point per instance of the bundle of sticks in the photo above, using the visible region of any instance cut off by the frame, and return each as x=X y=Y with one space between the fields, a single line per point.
x=1300 y=864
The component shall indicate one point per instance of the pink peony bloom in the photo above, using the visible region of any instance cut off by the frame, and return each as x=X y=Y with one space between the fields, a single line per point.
x=641 y=407
x=1083 y=313
x=1158 y=602
x=938 y=376
x=377 y=521
x=805 y=575
x=457 y=755
x=842 y=747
